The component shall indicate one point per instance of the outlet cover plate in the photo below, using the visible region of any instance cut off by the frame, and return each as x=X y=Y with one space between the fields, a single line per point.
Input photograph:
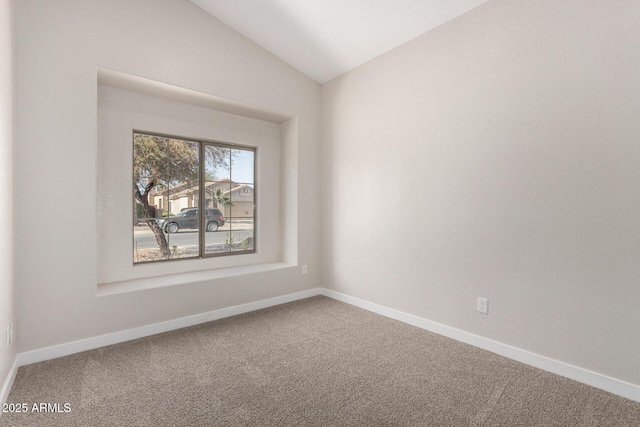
x=483 y=305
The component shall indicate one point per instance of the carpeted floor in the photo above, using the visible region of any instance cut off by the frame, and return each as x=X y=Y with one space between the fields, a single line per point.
x=315 y=362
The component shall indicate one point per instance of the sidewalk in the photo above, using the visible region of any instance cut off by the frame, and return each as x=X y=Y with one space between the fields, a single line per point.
x=238 y=224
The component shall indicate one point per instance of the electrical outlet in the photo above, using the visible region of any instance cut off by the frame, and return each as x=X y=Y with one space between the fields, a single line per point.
x=483 y=305
x=11 y=335
x=304 y=269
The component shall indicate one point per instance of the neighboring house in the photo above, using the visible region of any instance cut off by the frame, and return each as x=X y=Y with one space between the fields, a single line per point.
x=174 y=199
x=185 y=195
x=211 y=187
x=242 y=202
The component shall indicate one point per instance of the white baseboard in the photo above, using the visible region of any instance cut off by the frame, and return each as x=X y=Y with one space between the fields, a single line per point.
x=53 y=352
x=594 y=379
x=8 y=383
x=603 y=382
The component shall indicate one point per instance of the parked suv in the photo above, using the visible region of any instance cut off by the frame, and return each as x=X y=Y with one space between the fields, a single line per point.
x=188 y=218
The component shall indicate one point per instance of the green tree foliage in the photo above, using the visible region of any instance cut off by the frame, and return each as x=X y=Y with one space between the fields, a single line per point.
x=220 y=199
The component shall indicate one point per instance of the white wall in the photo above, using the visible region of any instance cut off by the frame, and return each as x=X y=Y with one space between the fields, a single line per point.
x=512 y=131
x=59 y=47
x=511 y=135
x=7 y=354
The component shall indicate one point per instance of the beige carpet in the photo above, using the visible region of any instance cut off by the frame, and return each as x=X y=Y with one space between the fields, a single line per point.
x=315 y=362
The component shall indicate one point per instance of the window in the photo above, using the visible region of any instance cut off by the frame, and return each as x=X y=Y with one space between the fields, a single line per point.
x=180 y=173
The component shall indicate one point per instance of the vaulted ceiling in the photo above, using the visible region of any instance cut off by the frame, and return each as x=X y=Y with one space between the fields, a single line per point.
x=326 y=38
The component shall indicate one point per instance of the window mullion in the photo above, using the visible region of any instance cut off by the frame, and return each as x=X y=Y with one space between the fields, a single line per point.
x=201 y=200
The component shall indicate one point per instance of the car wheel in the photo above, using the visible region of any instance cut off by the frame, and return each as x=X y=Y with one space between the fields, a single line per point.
x=172 y=228
x=212 y=226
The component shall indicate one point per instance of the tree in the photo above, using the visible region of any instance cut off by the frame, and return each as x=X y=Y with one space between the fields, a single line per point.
x=220 y=199
x=163 y=163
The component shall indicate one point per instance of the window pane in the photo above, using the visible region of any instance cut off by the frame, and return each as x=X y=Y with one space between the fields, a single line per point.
x=149 y=163
x=242 y=166
x=242 y=234
x=242 y=202
x=216 y=163
x=166 y=173
x=241 y=218
x=237 y=233
x=214 y=237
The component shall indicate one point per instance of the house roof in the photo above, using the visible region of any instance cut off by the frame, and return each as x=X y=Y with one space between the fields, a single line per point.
x=187 y=188
x=238 y=188
x=181 y=191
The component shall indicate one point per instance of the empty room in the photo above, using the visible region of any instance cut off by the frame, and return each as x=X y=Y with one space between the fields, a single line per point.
x=320 y=213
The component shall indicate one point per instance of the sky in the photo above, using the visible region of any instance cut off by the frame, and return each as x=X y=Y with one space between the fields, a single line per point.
x=241 y=170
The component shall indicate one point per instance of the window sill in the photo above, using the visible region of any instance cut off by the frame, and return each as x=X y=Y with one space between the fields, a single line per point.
x=125 y=286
